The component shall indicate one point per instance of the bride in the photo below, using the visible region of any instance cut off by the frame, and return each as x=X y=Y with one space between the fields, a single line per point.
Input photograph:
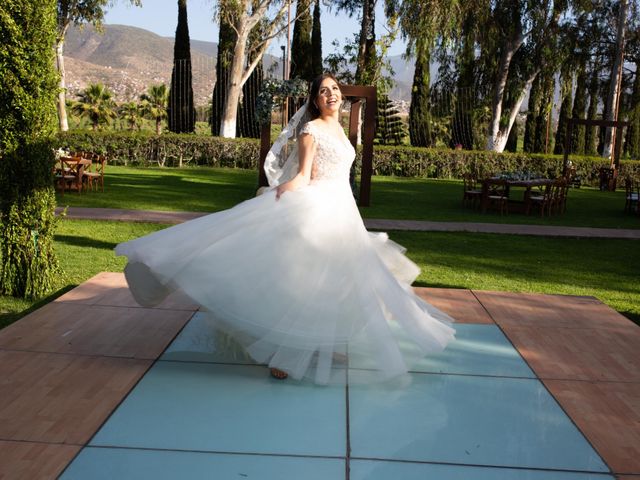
x=293 y=275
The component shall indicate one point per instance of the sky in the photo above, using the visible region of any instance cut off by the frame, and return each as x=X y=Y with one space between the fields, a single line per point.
x=160 y=17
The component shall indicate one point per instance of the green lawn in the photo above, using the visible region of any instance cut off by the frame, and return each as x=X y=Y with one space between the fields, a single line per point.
x=212 y=189
x=607 y=269
x=452 y=260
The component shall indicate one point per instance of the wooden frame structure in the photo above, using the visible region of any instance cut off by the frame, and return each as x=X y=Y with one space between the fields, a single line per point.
x=356 y=94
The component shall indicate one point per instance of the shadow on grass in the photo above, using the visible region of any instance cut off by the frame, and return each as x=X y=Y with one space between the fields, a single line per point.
x=85 y=242
x=7 y=319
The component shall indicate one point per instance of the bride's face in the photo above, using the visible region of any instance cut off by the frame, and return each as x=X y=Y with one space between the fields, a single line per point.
x=329 y=96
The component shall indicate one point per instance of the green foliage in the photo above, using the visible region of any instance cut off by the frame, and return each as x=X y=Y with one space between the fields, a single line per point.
x=419 y=113
x=95 y=103
x=144 y=148
x=181 y=112
x=390 y=129
x=437 y=163
x=565 y=113
x=301 y=55
x=169 y=149
x=28 y=86
x=154 y=104
x=226 y=42
x=316 y=41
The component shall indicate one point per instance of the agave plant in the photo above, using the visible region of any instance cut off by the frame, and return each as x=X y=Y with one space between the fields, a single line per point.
x=96 y=103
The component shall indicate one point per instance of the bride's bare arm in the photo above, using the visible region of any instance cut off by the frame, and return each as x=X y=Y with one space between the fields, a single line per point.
x=306 y=153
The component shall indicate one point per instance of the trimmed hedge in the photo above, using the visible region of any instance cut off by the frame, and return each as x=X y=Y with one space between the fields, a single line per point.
x=28 y=87
x=144 y=148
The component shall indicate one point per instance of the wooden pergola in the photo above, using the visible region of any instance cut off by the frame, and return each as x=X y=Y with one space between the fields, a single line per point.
x=357 y=94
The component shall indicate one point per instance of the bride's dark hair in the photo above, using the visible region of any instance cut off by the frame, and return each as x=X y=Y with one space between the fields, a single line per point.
x=314 y=90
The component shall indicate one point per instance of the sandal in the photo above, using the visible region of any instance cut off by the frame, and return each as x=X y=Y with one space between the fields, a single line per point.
x=279 y=374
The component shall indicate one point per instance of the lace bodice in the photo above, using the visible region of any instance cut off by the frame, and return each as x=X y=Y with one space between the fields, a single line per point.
x=334 y=156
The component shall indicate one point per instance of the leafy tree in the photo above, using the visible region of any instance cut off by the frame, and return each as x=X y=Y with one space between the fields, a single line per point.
x=316 y=42
x=28 y=85
x=95 y=103
x=181 y=112
x=74 y=12
x=249 y=126
x=132 y=114
x=154 y=104
x=243 y=16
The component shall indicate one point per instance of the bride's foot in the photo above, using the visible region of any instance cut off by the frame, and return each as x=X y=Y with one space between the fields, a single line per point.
x=279 y=374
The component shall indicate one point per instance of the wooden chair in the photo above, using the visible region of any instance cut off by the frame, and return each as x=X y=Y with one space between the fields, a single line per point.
x=494 y=194
x=558 y=196
x=631 y=195
x=541 y=201
x=472 y=192
x=94 y=175
x=63 y=177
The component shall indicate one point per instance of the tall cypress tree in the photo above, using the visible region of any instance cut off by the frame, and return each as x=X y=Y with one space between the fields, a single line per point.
x=462 y=128
x=316 y=42
x=389 y=126
x=632 y=143
x=301 y=55
x=419 y=111
x=579 y=110
x=181 y=112
x=226 y=42
x=590 y=136
x=565 y=112
x=530 y=126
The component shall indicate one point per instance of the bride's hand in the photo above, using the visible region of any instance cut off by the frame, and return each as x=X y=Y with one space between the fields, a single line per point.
x=289 y=186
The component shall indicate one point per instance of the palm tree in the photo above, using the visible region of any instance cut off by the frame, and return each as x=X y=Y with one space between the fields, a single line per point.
x=154 y=104
x=96 y=103
x=132 y=114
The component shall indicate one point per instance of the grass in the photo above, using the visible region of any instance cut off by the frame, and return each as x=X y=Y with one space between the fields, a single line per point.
x=84 y=248
x=604 y=268
x=452 y=260
x=515 y=263
x=212 y=189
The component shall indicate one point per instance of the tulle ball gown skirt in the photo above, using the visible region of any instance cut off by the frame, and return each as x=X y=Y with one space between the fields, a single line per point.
x=299 y=282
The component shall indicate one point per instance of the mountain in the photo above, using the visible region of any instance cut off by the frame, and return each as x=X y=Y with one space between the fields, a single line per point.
x=129 y=59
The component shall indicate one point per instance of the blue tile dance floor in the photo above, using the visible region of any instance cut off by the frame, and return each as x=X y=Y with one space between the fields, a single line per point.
x=204 y=410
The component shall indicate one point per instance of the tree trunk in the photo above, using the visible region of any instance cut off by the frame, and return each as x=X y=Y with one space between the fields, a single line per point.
x=497 y=138
x=234 y=88
x=62 y=106
x=616 y=80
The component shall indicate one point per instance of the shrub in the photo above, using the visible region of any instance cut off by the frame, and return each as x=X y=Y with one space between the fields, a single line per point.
x=145 y=148
x=28 y=87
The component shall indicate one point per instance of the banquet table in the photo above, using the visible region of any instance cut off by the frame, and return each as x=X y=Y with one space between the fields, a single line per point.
x=515 y=205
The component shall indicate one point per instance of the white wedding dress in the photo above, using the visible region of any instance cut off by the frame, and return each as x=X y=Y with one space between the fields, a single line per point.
x=298 y=281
